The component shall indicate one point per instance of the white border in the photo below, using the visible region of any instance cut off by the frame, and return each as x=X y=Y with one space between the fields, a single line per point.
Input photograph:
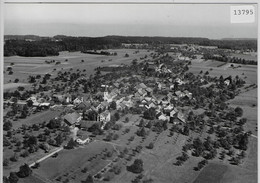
x=113 y=2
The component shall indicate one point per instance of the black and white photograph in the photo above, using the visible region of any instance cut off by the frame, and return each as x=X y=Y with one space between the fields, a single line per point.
x=129 y=92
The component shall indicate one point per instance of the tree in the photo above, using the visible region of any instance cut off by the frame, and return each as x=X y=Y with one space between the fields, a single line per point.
x=14 y=158
x=25 y=153
x=71 y=144
x=7 y=125
x=186 y=130
x=16 y=80
x=239 y=111
x=24 y=171
x=31 y=141
x=6 y=162
x=109 y=137
x=5 y=179
x=150 y=146
x=89 y=179
x=117 y=116
x=136 y=167
x=243 y=142
x=59 y=139
x=141 y=132
x=150 y=114
x=6 y=142
x=13 y=178
x=113 y=105
x=126 y=55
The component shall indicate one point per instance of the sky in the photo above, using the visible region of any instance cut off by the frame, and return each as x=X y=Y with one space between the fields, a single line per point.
x=94 y=20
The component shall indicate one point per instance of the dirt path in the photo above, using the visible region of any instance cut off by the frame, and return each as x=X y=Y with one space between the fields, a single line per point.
x=47 y=156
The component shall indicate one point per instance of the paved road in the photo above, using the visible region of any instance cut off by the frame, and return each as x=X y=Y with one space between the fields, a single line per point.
x=47 y=156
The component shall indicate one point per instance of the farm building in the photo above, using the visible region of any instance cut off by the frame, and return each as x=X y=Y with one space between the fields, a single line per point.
x=72 y=118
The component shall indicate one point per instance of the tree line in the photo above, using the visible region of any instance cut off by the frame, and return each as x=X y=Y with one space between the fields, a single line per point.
x=49 y=47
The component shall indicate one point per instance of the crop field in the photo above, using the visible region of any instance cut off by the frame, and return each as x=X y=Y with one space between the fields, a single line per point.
x=245 y=56
x=25 y=66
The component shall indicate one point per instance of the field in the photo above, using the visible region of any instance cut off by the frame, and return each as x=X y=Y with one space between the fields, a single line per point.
x=213 y=173
x=36 y=118
x=216 y=69
x=69 y=163
x=25 y=66
x=252 y=56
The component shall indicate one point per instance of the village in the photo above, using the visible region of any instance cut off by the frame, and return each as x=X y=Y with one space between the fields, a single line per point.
x=148 y=98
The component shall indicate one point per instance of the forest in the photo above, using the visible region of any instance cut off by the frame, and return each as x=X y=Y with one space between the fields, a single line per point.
x=51 y=46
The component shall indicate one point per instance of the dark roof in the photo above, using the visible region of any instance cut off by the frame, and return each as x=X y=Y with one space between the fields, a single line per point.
x=87 y=124
x=71 y=118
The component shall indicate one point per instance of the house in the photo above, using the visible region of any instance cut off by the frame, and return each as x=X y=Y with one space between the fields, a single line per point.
x=150 y=104
x=81 y=142
x=162 y=117
x=179 y=94
x=121 y=106
x=169 y=108
x=180 y=117
x=149 y=91
x=78 y=100
x=171 y=87
x=58 y=98
x=21 y=104
x=159 y=85
x=173 y=112
x=228 y=81
x=141 y=86
x=44 y=105
x=188 y=94
x=116 y=85
x=109 y=97
x=179 y=81
x=104 y=116
x=72 y=118
x=33 y=99
x=128 y=103
x=102 y=106
x=84 y=105
x=142 y=92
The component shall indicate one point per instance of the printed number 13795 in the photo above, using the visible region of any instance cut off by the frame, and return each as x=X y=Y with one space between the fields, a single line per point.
x=244 y=12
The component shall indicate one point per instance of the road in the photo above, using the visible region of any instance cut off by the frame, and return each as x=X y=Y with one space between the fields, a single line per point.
x=47 y=156
x=253 y=136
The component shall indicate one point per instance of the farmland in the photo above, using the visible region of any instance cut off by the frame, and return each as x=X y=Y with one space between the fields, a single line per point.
x=25 y=66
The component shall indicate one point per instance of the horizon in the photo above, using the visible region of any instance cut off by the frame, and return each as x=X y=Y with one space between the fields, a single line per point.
x=92 y=20
x=241 y=38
